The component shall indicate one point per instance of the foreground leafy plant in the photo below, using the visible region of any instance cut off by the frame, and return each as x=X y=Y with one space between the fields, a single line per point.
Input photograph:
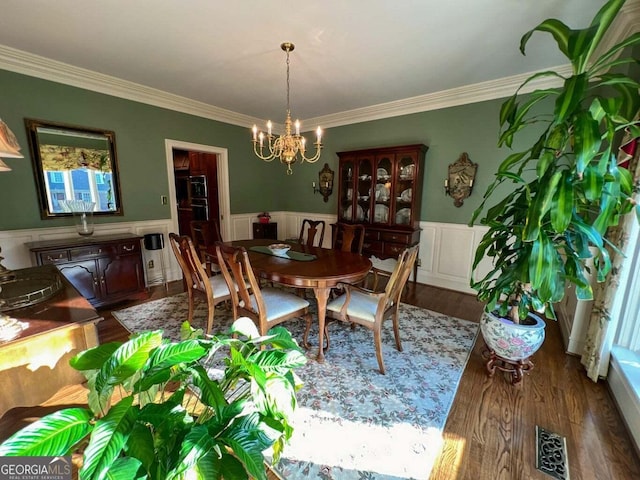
x=567 y=187
x=171 y=419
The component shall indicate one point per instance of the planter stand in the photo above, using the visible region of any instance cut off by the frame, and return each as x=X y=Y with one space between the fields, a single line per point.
x=516 y=367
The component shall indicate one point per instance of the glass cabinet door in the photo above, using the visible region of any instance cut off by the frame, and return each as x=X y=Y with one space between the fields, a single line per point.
x=347 y=176
x=405 y=175
x=383 y=189
x=364 y=184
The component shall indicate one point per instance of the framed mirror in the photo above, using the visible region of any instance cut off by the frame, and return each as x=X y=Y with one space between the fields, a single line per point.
x=74 y=163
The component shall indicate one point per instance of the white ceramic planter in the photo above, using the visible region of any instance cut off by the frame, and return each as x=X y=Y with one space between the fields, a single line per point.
x=509 y=340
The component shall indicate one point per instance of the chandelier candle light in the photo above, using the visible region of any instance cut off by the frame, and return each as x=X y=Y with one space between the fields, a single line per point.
x=289 y=147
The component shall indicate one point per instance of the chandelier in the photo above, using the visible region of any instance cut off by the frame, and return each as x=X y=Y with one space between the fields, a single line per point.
x=289 y=147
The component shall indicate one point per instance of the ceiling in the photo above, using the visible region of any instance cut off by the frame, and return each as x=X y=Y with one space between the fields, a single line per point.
x=350 y=55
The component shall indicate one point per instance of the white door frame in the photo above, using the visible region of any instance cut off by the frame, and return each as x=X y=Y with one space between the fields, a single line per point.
x=222 y=165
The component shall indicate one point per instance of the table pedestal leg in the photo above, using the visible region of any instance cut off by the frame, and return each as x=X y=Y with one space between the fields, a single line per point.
x=322 y=296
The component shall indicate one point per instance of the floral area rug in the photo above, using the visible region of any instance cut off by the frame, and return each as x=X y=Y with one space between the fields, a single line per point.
x=353 y=422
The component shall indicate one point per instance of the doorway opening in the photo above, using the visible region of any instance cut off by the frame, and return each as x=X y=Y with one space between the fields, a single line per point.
x=198 y=185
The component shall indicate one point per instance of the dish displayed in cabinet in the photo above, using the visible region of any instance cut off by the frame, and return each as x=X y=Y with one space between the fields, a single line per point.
x=406 y=172
x=382 y=192
x=381 y=213
x=406 y=195
x=359 y=213
x=382 y=174
x=403 y=216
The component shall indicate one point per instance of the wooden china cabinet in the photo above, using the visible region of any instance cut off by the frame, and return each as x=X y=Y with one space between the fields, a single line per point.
x=381 y=188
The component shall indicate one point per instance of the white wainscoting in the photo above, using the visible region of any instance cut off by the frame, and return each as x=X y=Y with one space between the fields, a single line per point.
x=446 y=255
x=288 y=225
x=446 y=249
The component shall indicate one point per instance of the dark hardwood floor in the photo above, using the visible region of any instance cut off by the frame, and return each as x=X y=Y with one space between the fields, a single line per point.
x=490 y=432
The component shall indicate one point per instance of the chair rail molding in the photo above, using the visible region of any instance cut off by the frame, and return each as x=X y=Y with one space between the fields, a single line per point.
x=446 y=249
x=16 y=254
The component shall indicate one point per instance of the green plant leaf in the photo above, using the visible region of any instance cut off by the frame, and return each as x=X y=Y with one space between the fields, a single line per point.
x=604 y=61
x=246 y=450
x=569 y=99
x=168 y=355
x=127 y=360
x=587 y=231
x=507 y=110
x=579 y=44
x=602 y=21
x=140 y=445
x=279 y=359
x=586 y=140
x=127 y=468
x=196 y=445
x=52 y=435
x=592 y=183
x=280 y=338
x=209 y=467
x=556 y=28
x=108 y=439
x=562 y=210
x=210 y=392
x=230 y=467
x=94 y=358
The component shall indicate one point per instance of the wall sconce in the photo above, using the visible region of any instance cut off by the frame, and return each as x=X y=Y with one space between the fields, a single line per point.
x=460 y=178
x=325 y=182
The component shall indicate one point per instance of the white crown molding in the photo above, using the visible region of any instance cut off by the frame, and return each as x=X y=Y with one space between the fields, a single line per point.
x=36 y=66
x=478 y=92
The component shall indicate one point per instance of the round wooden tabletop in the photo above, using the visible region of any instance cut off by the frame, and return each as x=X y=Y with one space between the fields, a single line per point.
x=329 y=267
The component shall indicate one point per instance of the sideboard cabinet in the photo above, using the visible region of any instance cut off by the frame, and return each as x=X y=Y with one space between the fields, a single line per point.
x=104 y=269
x=381 y=188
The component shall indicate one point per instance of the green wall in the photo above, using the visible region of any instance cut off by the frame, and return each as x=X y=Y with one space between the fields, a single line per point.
x=140 y=134
x=254 y=185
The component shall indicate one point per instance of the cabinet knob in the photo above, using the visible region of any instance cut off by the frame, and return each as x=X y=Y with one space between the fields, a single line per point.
x=128 y=248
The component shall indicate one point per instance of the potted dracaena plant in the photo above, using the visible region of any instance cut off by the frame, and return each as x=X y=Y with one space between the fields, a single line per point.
x=155 y=411
x=564 y=190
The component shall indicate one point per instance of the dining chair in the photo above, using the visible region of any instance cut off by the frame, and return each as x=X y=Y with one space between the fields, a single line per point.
x=204 y=234
x=266 y=306
x=348 y=237
x=369 y=307
x=310 y=231
x=214 y=289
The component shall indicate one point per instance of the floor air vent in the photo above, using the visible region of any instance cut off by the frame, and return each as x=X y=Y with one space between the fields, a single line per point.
x=551 y=454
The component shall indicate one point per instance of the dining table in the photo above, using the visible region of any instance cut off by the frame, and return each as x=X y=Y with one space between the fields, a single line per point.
x=315 y=268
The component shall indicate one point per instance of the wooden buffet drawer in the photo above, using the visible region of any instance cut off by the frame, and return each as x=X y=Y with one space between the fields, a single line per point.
x=129 y=247
x=54 y=256
x=371 y=235
x=393 y=249
x=90 y=252
x=396 y=237
x=375 y=247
